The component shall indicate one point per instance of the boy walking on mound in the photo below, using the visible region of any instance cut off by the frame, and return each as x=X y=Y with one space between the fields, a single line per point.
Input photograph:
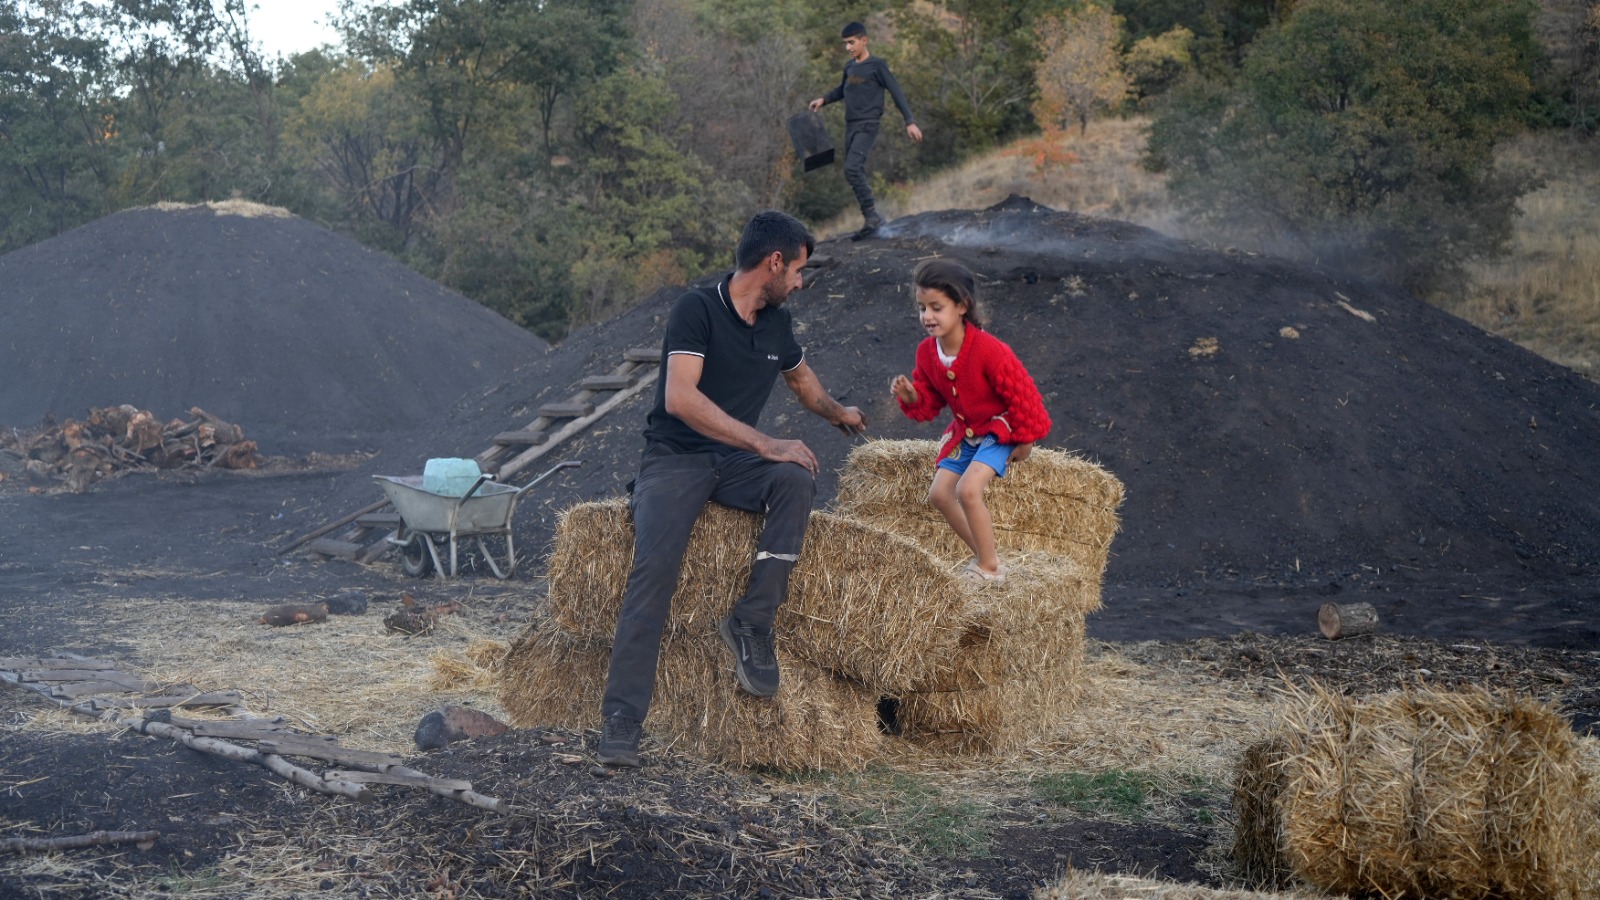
x=866 y=77
x=724 y=347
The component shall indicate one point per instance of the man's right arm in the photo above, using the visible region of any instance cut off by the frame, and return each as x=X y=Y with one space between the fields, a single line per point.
x=687 y=402
x=833 y=96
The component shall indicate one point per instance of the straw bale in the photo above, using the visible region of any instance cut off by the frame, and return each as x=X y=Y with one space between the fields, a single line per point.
x=1080 y=885
x=816 y=722
x=1421 y=793
x=1017 y=678
x=862 y=602
x=1053 y=503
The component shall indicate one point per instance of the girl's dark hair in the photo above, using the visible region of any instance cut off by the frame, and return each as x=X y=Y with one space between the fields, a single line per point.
x=954 y=281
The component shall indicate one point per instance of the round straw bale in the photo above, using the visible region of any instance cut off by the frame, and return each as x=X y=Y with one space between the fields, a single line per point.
x=816 y=722
x=1421 y=793
x=862 y=602
x=1080 y=885
x=1053 y=502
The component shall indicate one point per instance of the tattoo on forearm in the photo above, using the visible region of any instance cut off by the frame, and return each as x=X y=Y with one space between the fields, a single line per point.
x=828 y=407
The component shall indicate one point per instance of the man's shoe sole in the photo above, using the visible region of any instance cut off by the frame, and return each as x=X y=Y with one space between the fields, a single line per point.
x=623 y=760
x=738 y=670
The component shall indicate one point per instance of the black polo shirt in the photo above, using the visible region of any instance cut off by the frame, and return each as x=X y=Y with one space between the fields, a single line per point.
x=741 y=363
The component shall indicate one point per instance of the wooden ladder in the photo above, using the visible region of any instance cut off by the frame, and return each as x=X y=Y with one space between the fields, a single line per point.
x=367 y=530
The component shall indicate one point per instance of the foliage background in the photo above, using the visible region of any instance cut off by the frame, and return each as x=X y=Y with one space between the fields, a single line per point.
x=557 y=159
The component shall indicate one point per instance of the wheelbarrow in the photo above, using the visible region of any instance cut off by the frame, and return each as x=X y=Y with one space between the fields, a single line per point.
x=431 y=522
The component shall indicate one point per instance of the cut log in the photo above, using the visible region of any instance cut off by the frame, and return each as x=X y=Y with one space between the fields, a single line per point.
x=643 y=355
x=295 y=614
x=1342 y=620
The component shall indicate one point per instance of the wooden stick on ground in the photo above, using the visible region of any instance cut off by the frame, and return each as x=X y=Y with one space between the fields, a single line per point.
x=145 y=840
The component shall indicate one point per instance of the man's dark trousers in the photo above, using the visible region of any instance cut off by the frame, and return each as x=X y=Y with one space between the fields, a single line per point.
x=669 y=494
x=858 y=140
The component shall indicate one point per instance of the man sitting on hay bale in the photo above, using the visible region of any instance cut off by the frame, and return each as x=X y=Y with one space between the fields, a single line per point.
x=723 y=348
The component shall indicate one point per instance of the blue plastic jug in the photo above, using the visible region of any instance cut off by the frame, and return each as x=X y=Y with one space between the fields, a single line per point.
x=450 y=477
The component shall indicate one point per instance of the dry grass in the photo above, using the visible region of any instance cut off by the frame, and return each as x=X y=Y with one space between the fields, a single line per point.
x=1545 y=294
x=1076 y=885
x=1106 y=180
x=1161 y=716
x=235 y=207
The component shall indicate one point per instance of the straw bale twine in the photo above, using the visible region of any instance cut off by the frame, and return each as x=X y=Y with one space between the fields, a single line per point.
x=816 y=722
x=1422 y=794
x=1054 y=502
x=864 y=603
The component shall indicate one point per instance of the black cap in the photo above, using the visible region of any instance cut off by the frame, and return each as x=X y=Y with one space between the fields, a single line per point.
x=854 y=29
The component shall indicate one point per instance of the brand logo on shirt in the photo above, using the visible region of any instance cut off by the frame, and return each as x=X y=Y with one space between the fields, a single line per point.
x=772 y=357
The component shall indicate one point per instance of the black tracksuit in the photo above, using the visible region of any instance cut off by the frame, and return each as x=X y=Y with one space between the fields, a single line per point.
x=862 y=89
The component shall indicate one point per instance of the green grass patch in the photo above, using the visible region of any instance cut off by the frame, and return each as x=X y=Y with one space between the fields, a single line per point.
x=1130 y=796
x=912 y=811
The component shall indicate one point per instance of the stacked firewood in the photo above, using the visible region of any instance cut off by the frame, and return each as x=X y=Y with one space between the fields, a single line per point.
x=118 y=439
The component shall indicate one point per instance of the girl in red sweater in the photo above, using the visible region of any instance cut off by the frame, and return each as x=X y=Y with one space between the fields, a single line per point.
x=998 y=413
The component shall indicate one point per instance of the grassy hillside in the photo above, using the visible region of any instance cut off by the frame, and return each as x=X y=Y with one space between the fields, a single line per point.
x=1545 y=294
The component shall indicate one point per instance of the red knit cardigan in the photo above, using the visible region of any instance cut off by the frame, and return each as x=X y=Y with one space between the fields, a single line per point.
x=987 y=389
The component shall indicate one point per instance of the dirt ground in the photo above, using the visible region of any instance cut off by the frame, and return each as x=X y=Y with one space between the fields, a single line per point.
x=1287 y=437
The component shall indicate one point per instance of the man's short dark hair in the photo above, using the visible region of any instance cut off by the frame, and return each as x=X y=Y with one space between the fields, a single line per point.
x=854 y=29
x=772 y=232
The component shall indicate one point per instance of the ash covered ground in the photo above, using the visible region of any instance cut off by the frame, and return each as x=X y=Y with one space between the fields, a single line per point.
x=1287 y=436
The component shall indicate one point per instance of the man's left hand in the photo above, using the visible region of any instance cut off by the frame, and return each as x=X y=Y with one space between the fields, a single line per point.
x=913 y=132
x=853 y=422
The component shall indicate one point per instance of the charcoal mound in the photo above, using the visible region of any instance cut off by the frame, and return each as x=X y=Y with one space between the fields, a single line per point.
x=309 y=341
x=1274 y=424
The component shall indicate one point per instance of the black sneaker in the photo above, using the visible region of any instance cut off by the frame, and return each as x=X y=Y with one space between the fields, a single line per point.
x=755 y=663
x=619 y=742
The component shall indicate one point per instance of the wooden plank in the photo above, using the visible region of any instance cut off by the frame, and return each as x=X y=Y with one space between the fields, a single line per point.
x=527 y=457
x=235 y=730
x=72 y=690
x=331 y=547
x=569 y=410
x=376 y=549
x=328 y=750
x=131 y=682
x=18 y=663
x=643 y=355
x=523 y=438
x=387 y=520
x=212 y=698
x=608 y=382
x=405 y=780
x=306 y=538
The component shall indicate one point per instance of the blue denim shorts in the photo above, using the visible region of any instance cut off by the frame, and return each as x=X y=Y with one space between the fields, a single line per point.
x=988 y=451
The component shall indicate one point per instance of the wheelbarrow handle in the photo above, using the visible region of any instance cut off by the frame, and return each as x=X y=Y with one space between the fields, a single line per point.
x=475 y=485
x=564 y=464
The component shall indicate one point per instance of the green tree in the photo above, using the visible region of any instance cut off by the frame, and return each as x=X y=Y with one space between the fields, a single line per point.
x=56 y=121
x=1156 y=63
x=1362 y=132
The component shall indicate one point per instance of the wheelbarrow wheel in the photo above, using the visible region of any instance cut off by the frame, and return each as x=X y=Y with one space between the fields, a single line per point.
x=414 y=556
